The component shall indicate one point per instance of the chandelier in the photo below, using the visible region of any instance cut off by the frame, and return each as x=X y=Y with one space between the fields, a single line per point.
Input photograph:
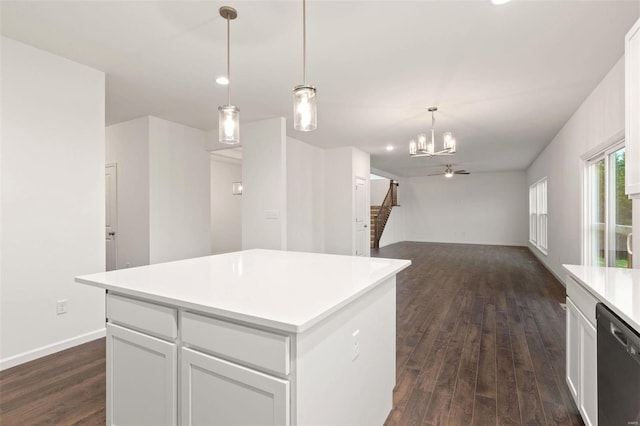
x=425 y=148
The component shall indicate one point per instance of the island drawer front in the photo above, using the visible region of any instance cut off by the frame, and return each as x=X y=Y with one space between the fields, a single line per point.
x=256 y=348
x=583 y=300
x=158 y=320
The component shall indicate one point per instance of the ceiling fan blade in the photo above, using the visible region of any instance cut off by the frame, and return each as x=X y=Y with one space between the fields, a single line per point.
x=436 y=174
x=461 y=172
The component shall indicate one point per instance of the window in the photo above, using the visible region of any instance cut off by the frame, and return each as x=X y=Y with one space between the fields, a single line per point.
x=607 y=211
x=538 y=215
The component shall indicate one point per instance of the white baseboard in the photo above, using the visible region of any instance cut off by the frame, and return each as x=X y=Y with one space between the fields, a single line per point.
x=12 y=361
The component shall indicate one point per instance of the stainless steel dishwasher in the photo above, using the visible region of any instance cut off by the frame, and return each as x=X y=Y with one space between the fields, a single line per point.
x=618 y=370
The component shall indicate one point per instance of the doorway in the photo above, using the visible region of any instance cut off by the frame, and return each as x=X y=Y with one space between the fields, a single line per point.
x=608 y=211
x=226 y=200
x=362 y=218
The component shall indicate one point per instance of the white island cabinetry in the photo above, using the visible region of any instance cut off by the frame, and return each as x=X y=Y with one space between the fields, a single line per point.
x=257 y=337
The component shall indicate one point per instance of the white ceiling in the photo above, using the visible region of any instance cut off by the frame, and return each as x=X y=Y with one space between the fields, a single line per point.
x=506 y=78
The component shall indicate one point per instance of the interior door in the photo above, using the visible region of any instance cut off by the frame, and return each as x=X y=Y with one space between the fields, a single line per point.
x=362 y=219
x=111 y=215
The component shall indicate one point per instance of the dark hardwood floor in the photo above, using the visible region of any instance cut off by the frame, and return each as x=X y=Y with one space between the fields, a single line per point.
x=480 y=341
x=480 y=338
x=65 y=388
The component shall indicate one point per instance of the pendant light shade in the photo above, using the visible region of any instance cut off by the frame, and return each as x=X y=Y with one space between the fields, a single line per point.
x=228 y=115
x=228 y=124
x=413 y=147
x=449 y=142
x=305 y=112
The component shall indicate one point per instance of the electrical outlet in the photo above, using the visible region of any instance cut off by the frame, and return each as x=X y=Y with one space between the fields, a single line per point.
x=61 y=306
x=355 y=344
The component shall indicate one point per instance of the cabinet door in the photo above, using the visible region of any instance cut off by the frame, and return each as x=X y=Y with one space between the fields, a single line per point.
x=632 y=122
x=573 y=350
x=218 y=392
x=141 y=379
x=588 y=372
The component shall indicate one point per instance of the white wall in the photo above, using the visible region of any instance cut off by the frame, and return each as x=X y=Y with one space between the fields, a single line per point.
x=179 y=192
x=305 y=197
x=481 y=208
x=52 y=202
x=163 y=191
x=338 y=201
x=342 y=167
x=264 y=182
x=226 y=208
x=127 y=145
x=379 y=189
x=596 y=122
x=394 y=229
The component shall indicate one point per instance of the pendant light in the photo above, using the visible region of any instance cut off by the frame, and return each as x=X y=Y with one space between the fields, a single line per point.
x=228 y=115
x=305 y=113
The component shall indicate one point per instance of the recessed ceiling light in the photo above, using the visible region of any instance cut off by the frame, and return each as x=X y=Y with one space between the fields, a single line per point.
x=389 y=147
x=222 y=80
x=499 y=2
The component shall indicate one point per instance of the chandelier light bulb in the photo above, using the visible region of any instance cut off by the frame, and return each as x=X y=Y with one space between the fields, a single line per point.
x=422 y=141
x=413 y=147
x=452 y=146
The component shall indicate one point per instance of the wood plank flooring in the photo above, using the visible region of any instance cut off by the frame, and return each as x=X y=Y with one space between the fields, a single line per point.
x=480 y=338
x=480 y=341
x=65 y=388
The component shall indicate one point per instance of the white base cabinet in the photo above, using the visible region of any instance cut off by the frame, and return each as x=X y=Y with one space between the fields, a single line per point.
x=217 y=392
x=582 y=351
x=169 y=365
x=141 y=379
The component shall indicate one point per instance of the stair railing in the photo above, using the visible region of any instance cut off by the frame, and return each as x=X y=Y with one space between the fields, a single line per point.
x=390 y=200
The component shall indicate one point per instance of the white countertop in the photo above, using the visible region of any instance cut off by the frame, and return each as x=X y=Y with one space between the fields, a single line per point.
x=289 y=291
x=617 y=288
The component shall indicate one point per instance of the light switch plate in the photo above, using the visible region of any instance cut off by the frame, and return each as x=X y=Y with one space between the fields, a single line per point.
x=271 y=214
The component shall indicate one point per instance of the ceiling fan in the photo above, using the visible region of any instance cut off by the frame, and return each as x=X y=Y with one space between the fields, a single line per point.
x=449 y=172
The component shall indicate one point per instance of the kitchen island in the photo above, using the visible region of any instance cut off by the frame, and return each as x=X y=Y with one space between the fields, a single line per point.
x=258 y=337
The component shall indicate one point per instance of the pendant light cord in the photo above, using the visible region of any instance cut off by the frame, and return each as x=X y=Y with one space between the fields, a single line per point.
x=304 y=42
x=228 y=63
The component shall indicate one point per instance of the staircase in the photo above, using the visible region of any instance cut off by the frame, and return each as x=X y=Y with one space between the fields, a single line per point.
x=380 y=214
x=375 y=210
